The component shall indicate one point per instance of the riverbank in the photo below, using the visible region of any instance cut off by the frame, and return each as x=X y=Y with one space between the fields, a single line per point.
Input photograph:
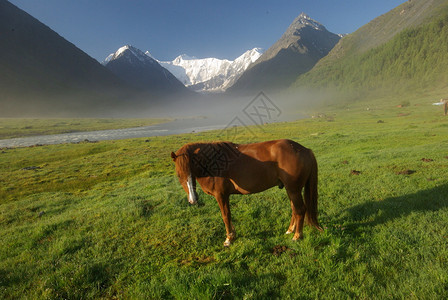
x=25 y=127
x=59 y=132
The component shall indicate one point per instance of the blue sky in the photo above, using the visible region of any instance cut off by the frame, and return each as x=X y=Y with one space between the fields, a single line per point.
x=201 y=28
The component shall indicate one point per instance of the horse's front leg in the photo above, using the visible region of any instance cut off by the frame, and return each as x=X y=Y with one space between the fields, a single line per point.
x=223 y=201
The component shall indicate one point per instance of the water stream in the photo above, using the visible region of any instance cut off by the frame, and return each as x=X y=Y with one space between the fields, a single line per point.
x=174 y=127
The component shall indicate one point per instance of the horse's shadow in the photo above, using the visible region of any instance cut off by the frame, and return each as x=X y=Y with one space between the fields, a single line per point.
x=375 y=213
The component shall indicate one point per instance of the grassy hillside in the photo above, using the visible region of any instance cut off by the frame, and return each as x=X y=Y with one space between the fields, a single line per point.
x=413 y=60
x=410 y=14
x=110 y=220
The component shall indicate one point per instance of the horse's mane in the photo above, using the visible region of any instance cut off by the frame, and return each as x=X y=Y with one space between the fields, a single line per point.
x=189 y=148
x=206 y=156
x=183 y=158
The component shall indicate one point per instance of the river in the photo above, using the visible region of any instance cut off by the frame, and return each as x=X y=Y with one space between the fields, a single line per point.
x=174 y=127
x=252 y=115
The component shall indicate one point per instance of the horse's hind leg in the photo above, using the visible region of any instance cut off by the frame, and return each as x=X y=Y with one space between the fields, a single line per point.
x=298 y=212
x=292 y=224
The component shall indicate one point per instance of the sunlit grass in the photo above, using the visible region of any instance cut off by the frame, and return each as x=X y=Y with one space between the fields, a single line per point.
x=109 y=219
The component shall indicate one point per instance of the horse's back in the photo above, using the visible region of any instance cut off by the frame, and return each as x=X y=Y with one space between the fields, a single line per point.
x=284 y=159
x=289 y=150
x=273 y=150
x=294 y=160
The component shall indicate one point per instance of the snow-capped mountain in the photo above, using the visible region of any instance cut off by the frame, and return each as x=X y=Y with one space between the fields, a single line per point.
x=142 y=71
x=209 y=74
x=197 y=70
x=131 y=54
x=303 y=44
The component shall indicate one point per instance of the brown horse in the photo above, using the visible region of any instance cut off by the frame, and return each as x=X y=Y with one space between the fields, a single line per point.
x=225 y=168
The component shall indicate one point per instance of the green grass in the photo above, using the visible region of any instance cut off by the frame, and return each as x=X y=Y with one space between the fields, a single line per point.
x=110 y=220
x=15 y=127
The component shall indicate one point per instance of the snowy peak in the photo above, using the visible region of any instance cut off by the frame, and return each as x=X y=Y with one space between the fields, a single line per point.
x=305 y=35
x=304 y=20
x=200 y=74
x=132 y=54
x=247 y=58
x=147 y=53
x=210 y=74
x=142 y=71
x=304 y=42
x=178 y=60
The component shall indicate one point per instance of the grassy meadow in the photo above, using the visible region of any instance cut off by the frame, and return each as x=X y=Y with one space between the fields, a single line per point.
x=110 y=220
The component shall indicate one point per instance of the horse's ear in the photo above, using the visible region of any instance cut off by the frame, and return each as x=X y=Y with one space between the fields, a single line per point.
x=173 y=156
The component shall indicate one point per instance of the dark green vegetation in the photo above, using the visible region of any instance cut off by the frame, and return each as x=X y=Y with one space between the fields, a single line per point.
x=110 y=219
x=378 y=60
x=11 y=128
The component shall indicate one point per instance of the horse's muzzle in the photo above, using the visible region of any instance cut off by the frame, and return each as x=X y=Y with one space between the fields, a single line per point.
x=192 y=195
x=193 y=198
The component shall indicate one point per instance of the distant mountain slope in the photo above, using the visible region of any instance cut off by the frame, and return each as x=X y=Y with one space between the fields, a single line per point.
x=210 y=74
x=383 y=28
x=42 y=72
x=143 y=72
x=403 y=49
x=296 y=52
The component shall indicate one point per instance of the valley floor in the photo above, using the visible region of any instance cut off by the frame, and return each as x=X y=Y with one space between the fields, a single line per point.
x=110 y=220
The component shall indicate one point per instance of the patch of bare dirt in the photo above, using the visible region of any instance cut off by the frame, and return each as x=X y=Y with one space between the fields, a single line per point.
x=279 y=250
x=427 y=159
x=405 y=172
x=354 y=172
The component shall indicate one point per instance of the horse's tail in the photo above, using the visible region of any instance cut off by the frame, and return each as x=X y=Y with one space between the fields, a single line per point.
x=311 y=195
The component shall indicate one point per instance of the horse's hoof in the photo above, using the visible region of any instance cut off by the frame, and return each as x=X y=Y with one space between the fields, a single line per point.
x=230 y=238
x=288 y=232
x=297 y=237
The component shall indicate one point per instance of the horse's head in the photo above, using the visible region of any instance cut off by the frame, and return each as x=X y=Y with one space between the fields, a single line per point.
x=183 y=172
